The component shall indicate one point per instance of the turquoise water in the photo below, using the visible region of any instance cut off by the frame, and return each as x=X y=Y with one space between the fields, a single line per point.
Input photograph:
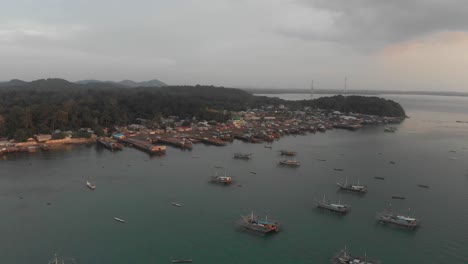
x=79 y=223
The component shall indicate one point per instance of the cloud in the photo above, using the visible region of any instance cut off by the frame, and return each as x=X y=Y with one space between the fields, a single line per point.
x=376 y=23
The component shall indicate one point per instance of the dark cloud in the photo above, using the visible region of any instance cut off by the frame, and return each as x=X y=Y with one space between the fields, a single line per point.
x=373 y=23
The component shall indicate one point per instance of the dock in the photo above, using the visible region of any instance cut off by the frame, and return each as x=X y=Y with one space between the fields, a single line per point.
x=176 y=142
x=145 y=146
x=213 y=141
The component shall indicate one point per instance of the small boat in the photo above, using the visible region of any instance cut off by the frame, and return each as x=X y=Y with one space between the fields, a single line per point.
x=292 y=163
x=252 y=222
x=389 y=217
x=58 y=260
x=390 y=129
x=181 y=260
x=119 y=220
x=338 y=169
x=344 y=257
x=221 y=179
x=176 y=204
x=321 y=159
x=288 y=153
x=379 y=178
x=351 y=187
x=90 y=185
x=268 y=147
x=253 y=172
x=398 y=197
x=423 y=186
x=338 y=208
x=392 y=162
x=243 y=156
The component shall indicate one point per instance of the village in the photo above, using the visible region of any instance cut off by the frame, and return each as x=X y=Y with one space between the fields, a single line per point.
x=253 y=126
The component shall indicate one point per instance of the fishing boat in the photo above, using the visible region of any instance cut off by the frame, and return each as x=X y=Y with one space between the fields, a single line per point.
x=423 y=186
x=58 y=260
x=390 y=129
x=221 y=179
x=181 y=260
x=288 y=153
x=243 y=156
x=398 y=197
x=389 y=217
x=176 y=204
x=357 y=188
x=339 y=208
x=292 y=163
x=268 y=147
x=379 y=178
x=344 y=257
x=90 y=185
x=119 y=220
x=252 y=222
x=338 y=169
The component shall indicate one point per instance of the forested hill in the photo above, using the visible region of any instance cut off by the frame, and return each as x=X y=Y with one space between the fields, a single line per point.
x=370 y=105
x=41 y=106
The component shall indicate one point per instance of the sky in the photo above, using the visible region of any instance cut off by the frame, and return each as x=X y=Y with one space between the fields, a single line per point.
x=377 y=44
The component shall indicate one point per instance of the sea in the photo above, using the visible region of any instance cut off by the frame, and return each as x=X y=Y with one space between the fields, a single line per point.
x=47 y=208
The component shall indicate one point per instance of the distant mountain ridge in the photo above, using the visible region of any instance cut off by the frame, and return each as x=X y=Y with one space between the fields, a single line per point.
x=128 y=83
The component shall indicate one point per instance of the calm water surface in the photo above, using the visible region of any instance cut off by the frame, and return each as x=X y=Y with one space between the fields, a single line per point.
x=79 y=223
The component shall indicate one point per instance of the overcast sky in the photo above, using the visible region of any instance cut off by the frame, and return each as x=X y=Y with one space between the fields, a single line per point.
x=378 y=44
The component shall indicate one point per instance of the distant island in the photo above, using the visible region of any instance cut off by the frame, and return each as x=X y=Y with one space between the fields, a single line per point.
x=354 y=92
x=48 y=105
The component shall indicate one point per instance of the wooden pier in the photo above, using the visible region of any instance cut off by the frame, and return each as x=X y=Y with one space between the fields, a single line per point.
x=144 y=145
x=176 y=142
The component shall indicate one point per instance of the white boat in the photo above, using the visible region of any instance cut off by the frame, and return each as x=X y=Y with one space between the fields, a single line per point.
x=90 y=185
x=176 y=204
x=119 y=220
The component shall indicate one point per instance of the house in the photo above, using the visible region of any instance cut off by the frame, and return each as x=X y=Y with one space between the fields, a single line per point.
x=118 y=136
x=43 y=137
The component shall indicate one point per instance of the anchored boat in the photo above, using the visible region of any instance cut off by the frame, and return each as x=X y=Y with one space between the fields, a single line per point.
x=339 y=208
x=292 y=163
x=389 y=217
x=288 y=153
x=344 y=257
x=252 y=222
x=181 y=260
x=90 y=185
x=352 y=187
x=58 y=260
x=390 y=129
x=119 y=220
x=243 y=155
x=221 y=179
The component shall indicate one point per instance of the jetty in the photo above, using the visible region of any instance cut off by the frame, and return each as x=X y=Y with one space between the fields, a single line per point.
x=145 y=145
x=173 y=141
x=213 y=141
x=109 y=143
